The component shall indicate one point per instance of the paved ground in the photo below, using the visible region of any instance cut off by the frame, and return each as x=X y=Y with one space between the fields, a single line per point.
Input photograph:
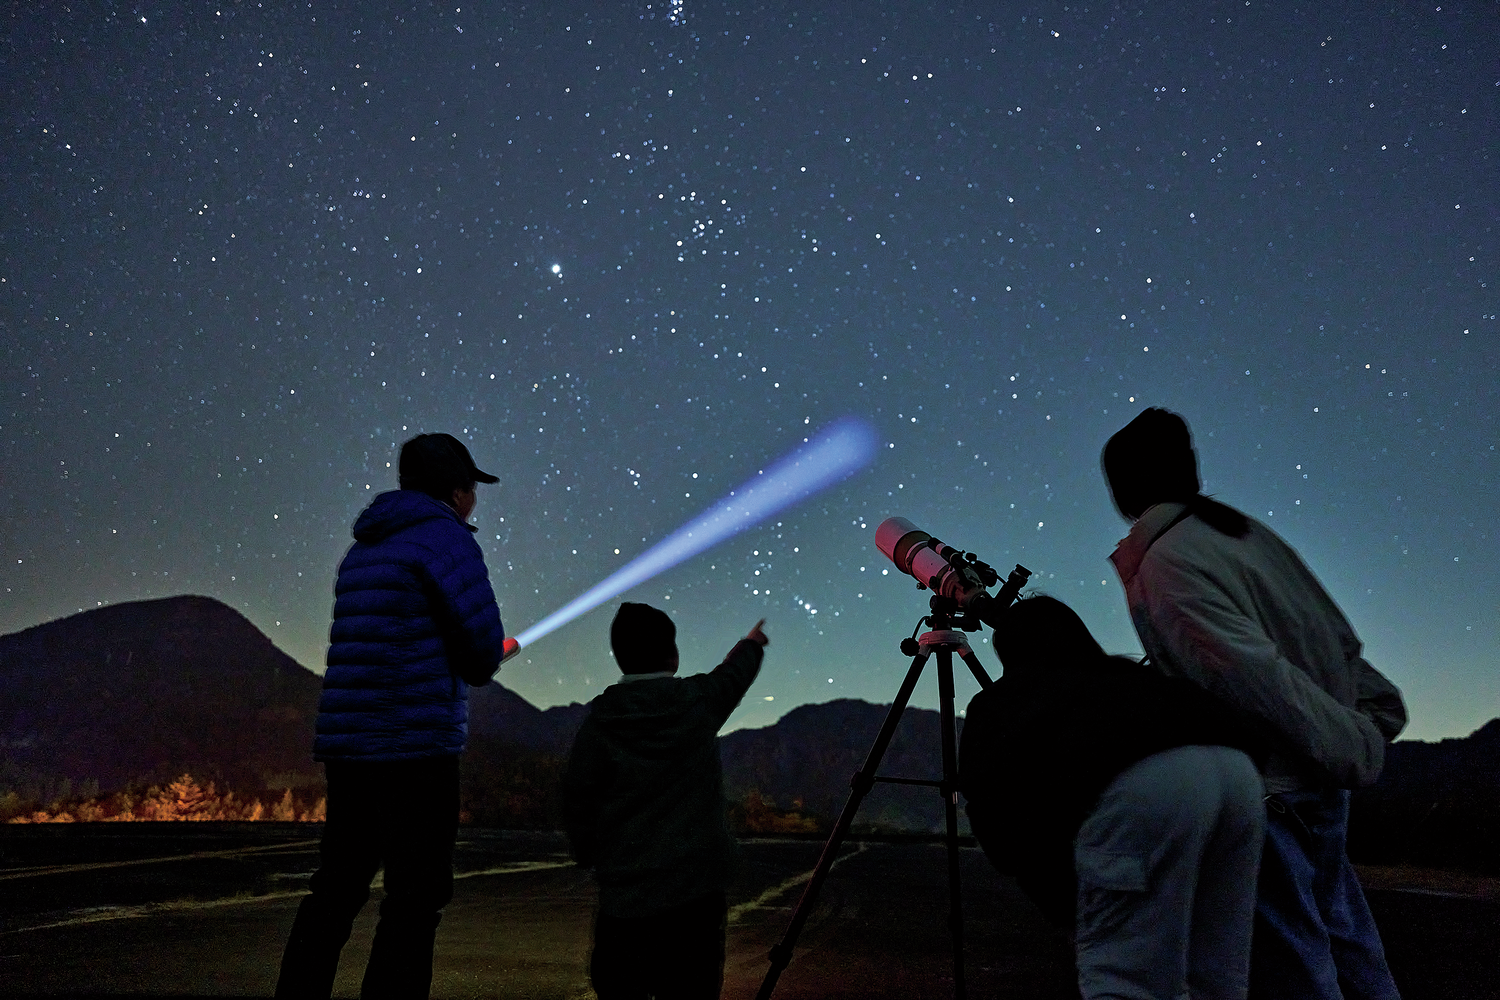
x=138 y=910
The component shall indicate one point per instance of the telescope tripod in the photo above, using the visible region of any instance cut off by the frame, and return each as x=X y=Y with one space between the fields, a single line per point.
x=944 y=640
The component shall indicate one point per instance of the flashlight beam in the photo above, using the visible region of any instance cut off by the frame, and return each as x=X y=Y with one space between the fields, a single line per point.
x=840 y=450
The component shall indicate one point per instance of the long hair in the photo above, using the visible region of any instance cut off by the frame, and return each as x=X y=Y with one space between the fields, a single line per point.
x=1037 y=631
x=1151 y=460
x=1219 y=516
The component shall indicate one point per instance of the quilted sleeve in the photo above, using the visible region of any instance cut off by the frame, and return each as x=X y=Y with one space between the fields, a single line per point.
x=467 y=610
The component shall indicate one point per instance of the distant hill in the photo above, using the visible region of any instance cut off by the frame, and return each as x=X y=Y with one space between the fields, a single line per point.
x=148 y=690
x=803 y=762
x=512 y=769
x=1445 y=768
x=1435 y=804
x=809 y=755
x=498 y=713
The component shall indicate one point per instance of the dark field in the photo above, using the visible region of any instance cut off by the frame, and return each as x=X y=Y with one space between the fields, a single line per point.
x=160 y=910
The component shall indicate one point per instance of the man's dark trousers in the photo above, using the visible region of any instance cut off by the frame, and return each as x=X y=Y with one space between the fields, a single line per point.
x=400 y=814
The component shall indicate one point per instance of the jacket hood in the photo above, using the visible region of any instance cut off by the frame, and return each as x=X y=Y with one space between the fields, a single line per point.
x=397 y=510
x=654 y=718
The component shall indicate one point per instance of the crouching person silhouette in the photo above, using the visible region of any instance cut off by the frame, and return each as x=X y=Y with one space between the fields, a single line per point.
x=643 y=802
x=1123 y=803
x=414 y=624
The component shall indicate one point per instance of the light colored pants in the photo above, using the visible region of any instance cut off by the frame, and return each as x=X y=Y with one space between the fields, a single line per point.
x=1167 y=866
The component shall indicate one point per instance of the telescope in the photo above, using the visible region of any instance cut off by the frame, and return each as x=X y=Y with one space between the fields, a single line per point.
x=960 y=602
x=950 y=573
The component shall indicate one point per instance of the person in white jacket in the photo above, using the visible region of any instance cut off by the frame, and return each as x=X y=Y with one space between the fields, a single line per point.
x=1219 y=599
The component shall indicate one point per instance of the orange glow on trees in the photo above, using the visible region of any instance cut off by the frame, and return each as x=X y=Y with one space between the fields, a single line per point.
x=183 y=800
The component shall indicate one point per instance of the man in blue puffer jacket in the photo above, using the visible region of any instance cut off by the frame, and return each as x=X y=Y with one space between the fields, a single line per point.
x=414 y=624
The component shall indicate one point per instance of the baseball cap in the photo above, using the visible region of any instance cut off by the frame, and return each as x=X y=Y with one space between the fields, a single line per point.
x=440 y=463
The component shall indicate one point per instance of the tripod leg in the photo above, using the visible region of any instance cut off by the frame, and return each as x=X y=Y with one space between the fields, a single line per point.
x=950 y=807
x=862 y=782
x=976 y=668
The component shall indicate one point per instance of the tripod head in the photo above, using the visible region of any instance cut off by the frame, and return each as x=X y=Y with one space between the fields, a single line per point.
x=946 y=616
x=949 y=613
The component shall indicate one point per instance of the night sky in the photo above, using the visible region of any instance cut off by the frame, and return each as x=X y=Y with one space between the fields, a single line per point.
x=631 y=254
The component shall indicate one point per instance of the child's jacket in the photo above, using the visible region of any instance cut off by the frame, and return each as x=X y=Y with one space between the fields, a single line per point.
x=643 y=797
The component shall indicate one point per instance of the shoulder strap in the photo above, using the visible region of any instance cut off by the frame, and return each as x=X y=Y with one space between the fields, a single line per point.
x=1182 y=515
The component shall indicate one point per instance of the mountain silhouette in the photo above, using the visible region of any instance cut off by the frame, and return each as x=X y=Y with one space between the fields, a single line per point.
x=805 y=761
x=145 y=691
x=1435 y=804
x=148 y=690
x=496 y=713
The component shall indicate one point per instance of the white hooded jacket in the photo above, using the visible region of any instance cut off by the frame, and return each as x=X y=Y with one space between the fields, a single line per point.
x=1246 y=619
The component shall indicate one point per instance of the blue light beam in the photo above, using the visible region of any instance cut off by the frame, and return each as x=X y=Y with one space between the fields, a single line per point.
x=840 y=450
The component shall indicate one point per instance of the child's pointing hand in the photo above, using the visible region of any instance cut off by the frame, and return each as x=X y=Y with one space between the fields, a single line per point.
x=757 y=636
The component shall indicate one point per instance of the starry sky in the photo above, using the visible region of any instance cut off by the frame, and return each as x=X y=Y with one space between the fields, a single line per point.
x=632 y=253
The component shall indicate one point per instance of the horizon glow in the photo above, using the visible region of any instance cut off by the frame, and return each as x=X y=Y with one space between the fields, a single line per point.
x=839 y=451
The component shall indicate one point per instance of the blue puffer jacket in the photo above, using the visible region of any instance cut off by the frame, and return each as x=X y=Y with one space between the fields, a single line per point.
x=413 y=616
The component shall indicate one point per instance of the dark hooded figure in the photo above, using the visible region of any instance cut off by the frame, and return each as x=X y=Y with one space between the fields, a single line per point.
x=415 y=623
x=1222 y=602
x=1116 y=798
x=643 y=803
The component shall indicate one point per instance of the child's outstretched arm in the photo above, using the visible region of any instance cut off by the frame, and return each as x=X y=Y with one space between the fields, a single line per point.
x=728 y=682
